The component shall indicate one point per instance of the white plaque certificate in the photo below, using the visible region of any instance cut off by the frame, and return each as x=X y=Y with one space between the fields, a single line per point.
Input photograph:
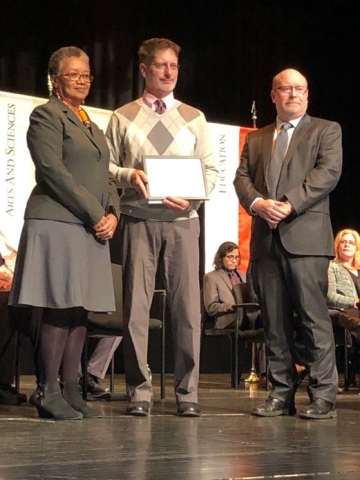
x=182 y=177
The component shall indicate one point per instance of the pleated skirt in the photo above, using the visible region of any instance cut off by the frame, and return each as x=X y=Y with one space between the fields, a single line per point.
x=61 y=265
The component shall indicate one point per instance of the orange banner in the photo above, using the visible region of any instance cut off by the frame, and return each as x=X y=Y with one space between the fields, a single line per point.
x=244 y=218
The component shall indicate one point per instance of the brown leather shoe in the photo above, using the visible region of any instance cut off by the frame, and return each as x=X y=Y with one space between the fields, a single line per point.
x=274 y=408
x=348 y=322
x=319 y=409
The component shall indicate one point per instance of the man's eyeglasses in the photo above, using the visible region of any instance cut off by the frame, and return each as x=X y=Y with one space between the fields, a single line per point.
x=284 y=90
x=233 y=257
x=75 y=77
x=162 y=66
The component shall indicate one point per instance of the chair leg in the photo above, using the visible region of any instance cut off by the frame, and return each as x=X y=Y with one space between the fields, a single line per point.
x=346 y=361
x=232 y=366
x=84 y=361
x=163 y=336
x=18 y=341
x=112 y=374
x=236 y=353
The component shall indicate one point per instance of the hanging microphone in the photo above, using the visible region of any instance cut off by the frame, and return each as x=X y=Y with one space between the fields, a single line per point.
x=49 y=85
x=253 y=111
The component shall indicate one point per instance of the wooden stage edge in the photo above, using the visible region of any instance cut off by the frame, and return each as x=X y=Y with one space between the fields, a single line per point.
x=226 y=442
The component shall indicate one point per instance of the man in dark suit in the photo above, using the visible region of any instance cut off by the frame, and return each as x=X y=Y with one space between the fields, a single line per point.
x=292 y=242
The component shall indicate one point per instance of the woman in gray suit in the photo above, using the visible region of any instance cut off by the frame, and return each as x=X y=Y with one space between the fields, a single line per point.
x=63 y=262
x=218 y=297
x=218 y=284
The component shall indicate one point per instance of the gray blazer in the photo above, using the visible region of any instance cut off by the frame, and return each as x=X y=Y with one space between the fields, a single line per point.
x=218 y=297
x=341 y=291
x=311 y=170
x=73 y=182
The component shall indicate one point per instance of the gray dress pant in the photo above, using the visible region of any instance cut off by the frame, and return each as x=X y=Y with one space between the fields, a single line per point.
x=175 y=246
x=101 y=357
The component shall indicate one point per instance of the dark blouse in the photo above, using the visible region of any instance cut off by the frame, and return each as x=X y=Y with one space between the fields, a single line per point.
x=356 y=280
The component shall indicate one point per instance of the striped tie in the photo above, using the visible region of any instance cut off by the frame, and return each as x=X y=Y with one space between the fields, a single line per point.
x=277 y=159
x=160 y=106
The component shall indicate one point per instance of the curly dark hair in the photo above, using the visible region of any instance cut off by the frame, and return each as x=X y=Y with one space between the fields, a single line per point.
x=222 y=251
x=149 y=48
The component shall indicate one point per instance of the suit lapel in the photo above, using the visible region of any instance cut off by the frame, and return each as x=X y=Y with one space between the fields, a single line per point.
x=299 y=132
x=226 y=278
x=91 y=132
x=73 y=118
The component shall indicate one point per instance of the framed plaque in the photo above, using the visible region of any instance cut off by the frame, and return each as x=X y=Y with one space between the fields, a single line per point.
x=182 y=177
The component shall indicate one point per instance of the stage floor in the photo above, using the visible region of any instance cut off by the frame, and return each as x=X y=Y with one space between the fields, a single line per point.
x=225 y=443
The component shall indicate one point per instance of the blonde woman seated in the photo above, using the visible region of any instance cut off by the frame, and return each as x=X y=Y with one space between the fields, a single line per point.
x=344 y=279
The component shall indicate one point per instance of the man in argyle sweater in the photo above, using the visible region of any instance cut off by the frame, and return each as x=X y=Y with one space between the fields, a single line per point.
x=164 y=234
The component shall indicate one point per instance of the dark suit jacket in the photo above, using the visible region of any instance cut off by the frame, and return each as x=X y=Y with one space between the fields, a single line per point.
x=218 y=297
x=311 y=170
x=72 y=168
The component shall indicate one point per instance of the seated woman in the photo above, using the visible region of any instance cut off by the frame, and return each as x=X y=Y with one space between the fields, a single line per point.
x=218 y=284
x=218 y=294
x=344 y=278
x=344 y=289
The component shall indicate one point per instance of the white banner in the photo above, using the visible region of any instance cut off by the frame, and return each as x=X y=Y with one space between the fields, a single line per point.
x=222 y=210
x=17 y=173
x=16 y=167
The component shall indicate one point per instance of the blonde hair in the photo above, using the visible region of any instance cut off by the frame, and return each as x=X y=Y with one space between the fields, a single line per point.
x=338 y=238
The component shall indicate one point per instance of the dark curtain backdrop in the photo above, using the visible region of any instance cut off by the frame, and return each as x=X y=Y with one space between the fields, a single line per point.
x=230 y=52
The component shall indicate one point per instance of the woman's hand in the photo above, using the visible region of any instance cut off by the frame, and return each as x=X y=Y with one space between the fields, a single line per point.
x=105 y=229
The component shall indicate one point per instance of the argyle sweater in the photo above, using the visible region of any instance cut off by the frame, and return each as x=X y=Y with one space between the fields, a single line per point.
x=136 y=130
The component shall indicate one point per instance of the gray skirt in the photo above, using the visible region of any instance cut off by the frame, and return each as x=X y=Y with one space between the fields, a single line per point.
x=62 y=265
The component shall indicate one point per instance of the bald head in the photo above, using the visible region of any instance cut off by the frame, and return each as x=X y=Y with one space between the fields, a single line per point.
x=290 y=94
x=284 y=74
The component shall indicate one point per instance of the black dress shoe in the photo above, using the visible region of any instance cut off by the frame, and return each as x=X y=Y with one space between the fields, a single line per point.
x=188 y=409
x=319 y=409
x=138 y=409
x=93 y=386
x=10 y=396
x=274 y=408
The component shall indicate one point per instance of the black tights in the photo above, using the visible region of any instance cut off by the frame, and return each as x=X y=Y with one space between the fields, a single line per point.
x=62 y=339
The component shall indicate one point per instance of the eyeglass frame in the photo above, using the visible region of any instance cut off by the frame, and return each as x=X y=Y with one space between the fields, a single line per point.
x=290 y=90
x=87 y=78
x=162 y=66
x=233 y=257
